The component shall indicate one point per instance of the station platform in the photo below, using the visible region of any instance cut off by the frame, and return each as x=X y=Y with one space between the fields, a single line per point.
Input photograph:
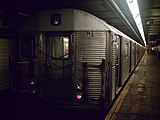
x=140 y=99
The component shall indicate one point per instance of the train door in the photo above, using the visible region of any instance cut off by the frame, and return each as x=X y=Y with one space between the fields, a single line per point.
x=132 y=53
x=125 y=59
x=130 y=57
x=58 y=66
x=116 y=62
x=134 y=47
x=23 y=70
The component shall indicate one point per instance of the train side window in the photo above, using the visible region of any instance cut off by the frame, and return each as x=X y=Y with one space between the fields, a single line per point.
x=60 y=47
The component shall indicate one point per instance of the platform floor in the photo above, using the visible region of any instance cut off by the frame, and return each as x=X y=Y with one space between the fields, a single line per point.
x=140 y=99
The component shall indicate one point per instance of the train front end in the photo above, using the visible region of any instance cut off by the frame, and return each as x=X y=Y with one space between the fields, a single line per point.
x=67 y=49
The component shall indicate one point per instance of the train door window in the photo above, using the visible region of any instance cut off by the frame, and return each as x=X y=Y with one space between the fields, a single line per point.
x=28 y=46
x=60 y=46
x=116 y=47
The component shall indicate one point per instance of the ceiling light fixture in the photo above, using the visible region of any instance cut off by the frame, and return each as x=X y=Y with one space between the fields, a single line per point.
x=133 y=6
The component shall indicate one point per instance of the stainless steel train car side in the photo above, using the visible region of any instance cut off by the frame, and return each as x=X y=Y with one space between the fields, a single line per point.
x=77 y=57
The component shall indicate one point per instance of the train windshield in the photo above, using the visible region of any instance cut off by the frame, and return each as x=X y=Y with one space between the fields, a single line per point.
x=60 y=46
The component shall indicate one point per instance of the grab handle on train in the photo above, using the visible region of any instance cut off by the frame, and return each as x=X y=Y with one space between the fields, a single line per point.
x=102 y=65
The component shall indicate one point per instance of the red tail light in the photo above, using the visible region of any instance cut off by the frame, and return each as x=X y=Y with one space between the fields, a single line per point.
x=79 y=95
x=34 y=91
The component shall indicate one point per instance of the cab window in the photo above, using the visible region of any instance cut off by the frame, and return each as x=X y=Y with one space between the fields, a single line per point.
x=60 y=46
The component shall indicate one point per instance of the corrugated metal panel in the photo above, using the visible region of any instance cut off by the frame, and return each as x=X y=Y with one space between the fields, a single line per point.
x=90 y=49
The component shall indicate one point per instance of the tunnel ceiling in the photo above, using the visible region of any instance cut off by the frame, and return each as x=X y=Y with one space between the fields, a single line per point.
x=114 y=12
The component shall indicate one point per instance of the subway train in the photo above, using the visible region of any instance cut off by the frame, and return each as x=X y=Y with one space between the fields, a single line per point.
x=71 y=58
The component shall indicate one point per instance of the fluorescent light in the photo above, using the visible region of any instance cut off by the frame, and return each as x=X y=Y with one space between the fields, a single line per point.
x=133 y=6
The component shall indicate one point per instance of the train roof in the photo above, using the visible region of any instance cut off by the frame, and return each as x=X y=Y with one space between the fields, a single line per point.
x=71 y=20
x=118 y=32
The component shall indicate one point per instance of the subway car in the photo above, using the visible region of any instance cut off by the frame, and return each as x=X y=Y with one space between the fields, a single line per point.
x=75 y=59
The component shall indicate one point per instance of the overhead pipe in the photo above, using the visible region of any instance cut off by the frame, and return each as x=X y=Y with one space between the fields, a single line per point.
x=117 y=10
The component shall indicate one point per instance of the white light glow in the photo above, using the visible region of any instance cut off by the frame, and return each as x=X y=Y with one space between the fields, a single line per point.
x=23 y=14
x=133 y=6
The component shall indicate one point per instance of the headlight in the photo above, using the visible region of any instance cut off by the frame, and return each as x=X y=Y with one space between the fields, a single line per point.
x=78 y=87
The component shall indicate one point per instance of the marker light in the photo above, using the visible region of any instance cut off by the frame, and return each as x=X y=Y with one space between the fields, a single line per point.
x=79 y=96
x=79 y=91
x=32 y=83
x=34 y=91
x=79 y=87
